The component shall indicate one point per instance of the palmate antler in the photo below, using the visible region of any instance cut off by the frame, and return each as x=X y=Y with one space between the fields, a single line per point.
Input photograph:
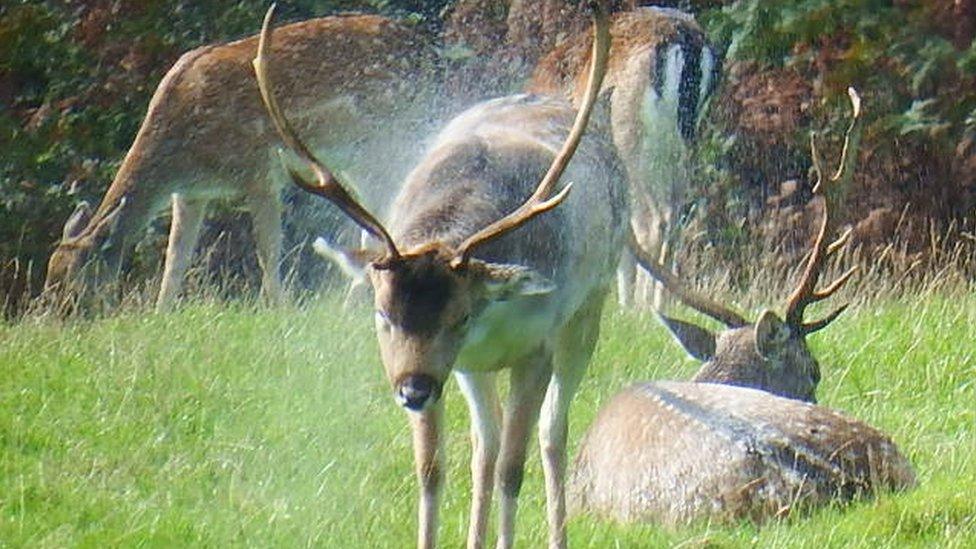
x=806 y=293
x=329 y=187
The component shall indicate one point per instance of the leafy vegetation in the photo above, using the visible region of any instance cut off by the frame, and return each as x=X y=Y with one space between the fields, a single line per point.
x=222 y=426
x=790 y=64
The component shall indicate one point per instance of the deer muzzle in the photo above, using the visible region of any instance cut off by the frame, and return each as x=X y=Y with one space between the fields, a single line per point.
x=416 y=392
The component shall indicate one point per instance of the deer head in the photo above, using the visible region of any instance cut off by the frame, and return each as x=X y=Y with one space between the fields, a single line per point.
x=426 y=296
x=81 y=235
x=770 y=353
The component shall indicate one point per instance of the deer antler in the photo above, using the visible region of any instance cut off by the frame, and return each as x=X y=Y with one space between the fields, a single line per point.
x=689 y=297
x=806 y=293
x=328 y=185
x=537 y=203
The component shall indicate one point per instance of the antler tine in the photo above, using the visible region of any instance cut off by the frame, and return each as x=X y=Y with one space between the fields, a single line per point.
x=838 y=283
x=690 y=298
x=832 y=288
x=805 y=293
x=817 y=163
x=328 y=185
x=840 y=242
x=535 y=204
x=811 y=327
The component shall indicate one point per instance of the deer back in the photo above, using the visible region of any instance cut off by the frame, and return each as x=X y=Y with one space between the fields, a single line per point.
x=673 y=452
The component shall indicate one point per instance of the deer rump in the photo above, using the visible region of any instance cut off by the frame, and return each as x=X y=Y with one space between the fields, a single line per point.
x=676 y=452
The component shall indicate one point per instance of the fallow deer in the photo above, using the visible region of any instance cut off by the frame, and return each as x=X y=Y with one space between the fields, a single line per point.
x=677 y=452
x=471 y=279
x=662 y=71
x=356 y=80
x=723 y=447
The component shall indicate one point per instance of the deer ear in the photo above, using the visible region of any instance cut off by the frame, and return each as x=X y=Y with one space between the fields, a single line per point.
x=771 y=334
x=352 y=262
x=697 y=341
x=77 y=221
x=505 y=281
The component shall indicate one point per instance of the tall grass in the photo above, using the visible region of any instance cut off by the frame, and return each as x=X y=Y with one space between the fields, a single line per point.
x=229 y=424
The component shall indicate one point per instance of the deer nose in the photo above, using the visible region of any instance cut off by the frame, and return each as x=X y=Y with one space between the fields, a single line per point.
x=417 y=392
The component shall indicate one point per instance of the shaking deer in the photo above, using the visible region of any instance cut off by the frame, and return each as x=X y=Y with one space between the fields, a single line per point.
x=473 y=279
x=662 y=71
x=724 y=447
x=356 y=80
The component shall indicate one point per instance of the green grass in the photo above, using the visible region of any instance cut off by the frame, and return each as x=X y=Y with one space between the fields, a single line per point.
x=224 y=425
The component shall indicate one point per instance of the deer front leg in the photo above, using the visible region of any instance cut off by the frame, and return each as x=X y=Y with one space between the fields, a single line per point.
x=528 y=389
x=266 y=218
x=184 y=231
x=428 y=462
x=553 y=429
x=482 y=396
x=572 y=354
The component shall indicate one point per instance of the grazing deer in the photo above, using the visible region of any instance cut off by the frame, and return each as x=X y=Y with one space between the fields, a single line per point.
x=356 y=81
x=661 y=72
x=720 y=448
x=464 y=282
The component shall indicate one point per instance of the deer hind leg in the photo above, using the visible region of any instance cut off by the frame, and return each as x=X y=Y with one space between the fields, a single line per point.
x=482 y=396
x=644 y=285
x=266 y=218
x=651 y=238
x=646 y=223
x=626 y=273
x=572 y=354
x=429 y=465
x=670 y=241
x=659 y=297
x=184 y=232
x=529 y=379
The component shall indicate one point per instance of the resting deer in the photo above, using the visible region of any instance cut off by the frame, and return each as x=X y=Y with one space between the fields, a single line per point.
x=206 y=136
x=460 y=286
x=661 y=72
x=723 y=447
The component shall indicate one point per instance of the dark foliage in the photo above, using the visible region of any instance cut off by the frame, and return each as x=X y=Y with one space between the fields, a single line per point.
x=789 y=65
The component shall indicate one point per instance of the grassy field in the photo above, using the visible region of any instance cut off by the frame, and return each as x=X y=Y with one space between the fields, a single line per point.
x=227 y=425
